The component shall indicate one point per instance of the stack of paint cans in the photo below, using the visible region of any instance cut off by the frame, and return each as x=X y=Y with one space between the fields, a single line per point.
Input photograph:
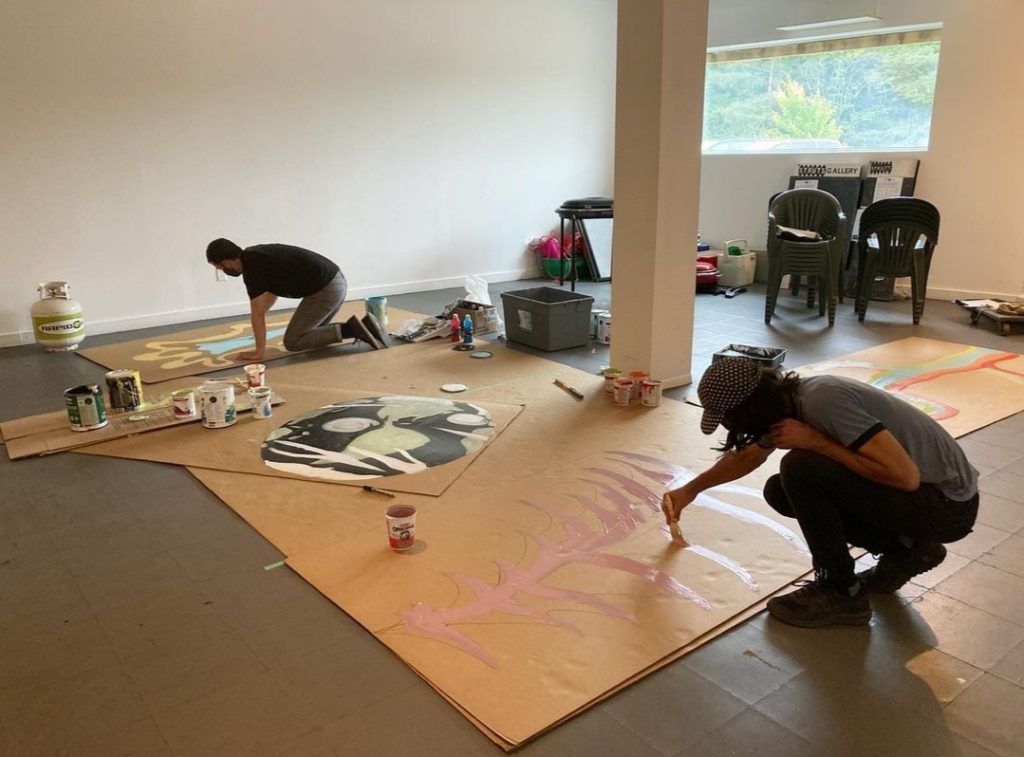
x=124 y=387
x=85 y=407
x=635 y=385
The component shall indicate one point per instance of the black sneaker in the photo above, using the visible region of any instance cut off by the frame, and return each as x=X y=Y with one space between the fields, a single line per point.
x=374 y=327
x=894 y=569
x=363 y=334
x=818 y=604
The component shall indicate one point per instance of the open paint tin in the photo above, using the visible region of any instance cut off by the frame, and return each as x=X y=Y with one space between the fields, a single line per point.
x=85 y=407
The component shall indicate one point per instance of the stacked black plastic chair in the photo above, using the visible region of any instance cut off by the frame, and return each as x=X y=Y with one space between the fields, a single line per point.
x=809 y=210
x=897 y=238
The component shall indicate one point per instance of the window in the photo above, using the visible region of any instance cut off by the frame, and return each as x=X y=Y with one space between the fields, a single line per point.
x=859 y=93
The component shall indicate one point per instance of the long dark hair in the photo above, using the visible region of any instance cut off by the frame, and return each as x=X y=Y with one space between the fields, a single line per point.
x=753 y=418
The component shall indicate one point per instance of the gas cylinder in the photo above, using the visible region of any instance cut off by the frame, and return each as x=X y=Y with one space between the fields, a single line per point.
x=56 y=318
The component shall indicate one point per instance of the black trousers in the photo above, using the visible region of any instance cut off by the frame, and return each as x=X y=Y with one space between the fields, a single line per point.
x=835 y=508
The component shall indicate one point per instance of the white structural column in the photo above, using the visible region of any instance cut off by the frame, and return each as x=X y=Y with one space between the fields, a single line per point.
x=658 y=115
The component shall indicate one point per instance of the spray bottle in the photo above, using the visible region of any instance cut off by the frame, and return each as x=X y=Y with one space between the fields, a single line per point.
x=456 y=327
x=467 y=330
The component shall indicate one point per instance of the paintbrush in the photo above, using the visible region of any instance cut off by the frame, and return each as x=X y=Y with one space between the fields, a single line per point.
x=375 y=490
x=571 y=389
x=677 y=534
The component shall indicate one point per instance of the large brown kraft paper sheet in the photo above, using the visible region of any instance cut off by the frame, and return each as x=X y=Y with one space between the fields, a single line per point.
x=237 y=448
x=169 y=356
x=567 y=637
x=962 y=386
x=520 y=661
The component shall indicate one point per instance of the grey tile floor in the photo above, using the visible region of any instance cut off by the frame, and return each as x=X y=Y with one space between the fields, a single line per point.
x=136 y=617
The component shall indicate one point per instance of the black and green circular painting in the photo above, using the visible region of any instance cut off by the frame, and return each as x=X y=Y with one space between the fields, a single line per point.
x=377 y=436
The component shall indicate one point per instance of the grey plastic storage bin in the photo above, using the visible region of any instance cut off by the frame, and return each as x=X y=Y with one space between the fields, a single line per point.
x=768 y=356
x=547 y=318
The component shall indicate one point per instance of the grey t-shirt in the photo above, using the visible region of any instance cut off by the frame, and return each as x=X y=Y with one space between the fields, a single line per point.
x=852 y=412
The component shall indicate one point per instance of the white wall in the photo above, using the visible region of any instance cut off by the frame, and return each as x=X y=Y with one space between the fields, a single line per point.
x=413 y=141
x=976 y=157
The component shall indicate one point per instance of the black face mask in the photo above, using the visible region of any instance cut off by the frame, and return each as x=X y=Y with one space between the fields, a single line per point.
x=229 y=272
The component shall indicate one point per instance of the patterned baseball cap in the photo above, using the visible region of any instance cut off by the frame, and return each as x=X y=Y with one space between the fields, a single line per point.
x=724 y=386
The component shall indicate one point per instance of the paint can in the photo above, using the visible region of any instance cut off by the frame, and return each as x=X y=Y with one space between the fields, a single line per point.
x=610 y=374
x=256 y=374
x=650 y=393
x=260 y=396
x=638 y=377
x=378 y=308
x=124 y=387
x=217 y=404
x=595 y=316
x=85 y=407
x=623 y=391
x=604 y=328
x=184 y=403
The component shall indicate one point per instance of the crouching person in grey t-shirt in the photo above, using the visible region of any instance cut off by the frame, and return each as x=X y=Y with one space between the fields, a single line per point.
x=865 y=468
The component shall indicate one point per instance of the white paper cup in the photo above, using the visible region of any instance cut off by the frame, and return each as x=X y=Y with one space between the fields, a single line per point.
x=256 y=374
x=401 y=526
x=260 y=397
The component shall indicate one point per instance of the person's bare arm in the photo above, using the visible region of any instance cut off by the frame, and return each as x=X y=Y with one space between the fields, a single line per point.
x=881 y=458
x=729 y=467
x=258 y=307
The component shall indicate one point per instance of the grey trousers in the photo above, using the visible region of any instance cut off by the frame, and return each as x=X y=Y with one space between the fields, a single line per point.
x=310 y=326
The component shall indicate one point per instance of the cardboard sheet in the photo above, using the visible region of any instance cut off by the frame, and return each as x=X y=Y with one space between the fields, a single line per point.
x=212 y=348
x=153 y=397
x=155 y=415
x=543 y=578
x=961 y=386
x=238 y=448
x=547 y=554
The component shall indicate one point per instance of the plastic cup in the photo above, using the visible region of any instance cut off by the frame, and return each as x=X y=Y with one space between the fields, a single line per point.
x=378 y=308
x=401 y=526
x=256 y=374
x=260 y=397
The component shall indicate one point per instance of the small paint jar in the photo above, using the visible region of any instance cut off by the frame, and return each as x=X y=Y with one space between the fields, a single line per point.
x=184 y=403
x=637 y=378
x=623 y=392
x=650 y=393
x=610 y=374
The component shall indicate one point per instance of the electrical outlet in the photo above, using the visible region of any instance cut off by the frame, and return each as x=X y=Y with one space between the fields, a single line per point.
x=221 y=276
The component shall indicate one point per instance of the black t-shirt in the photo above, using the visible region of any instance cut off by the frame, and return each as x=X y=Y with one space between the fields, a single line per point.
x=284 y=270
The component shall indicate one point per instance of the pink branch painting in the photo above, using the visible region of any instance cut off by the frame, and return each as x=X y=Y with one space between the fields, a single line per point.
x=623 y=505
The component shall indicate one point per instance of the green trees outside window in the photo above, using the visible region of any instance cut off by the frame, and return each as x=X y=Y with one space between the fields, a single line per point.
x=873 y=98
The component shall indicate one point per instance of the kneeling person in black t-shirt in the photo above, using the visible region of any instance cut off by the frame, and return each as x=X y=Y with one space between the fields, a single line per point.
x=281 y=270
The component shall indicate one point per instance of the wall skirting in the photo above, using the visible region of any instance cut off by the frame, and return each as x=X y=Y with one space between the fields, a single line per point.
x=15 y=338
